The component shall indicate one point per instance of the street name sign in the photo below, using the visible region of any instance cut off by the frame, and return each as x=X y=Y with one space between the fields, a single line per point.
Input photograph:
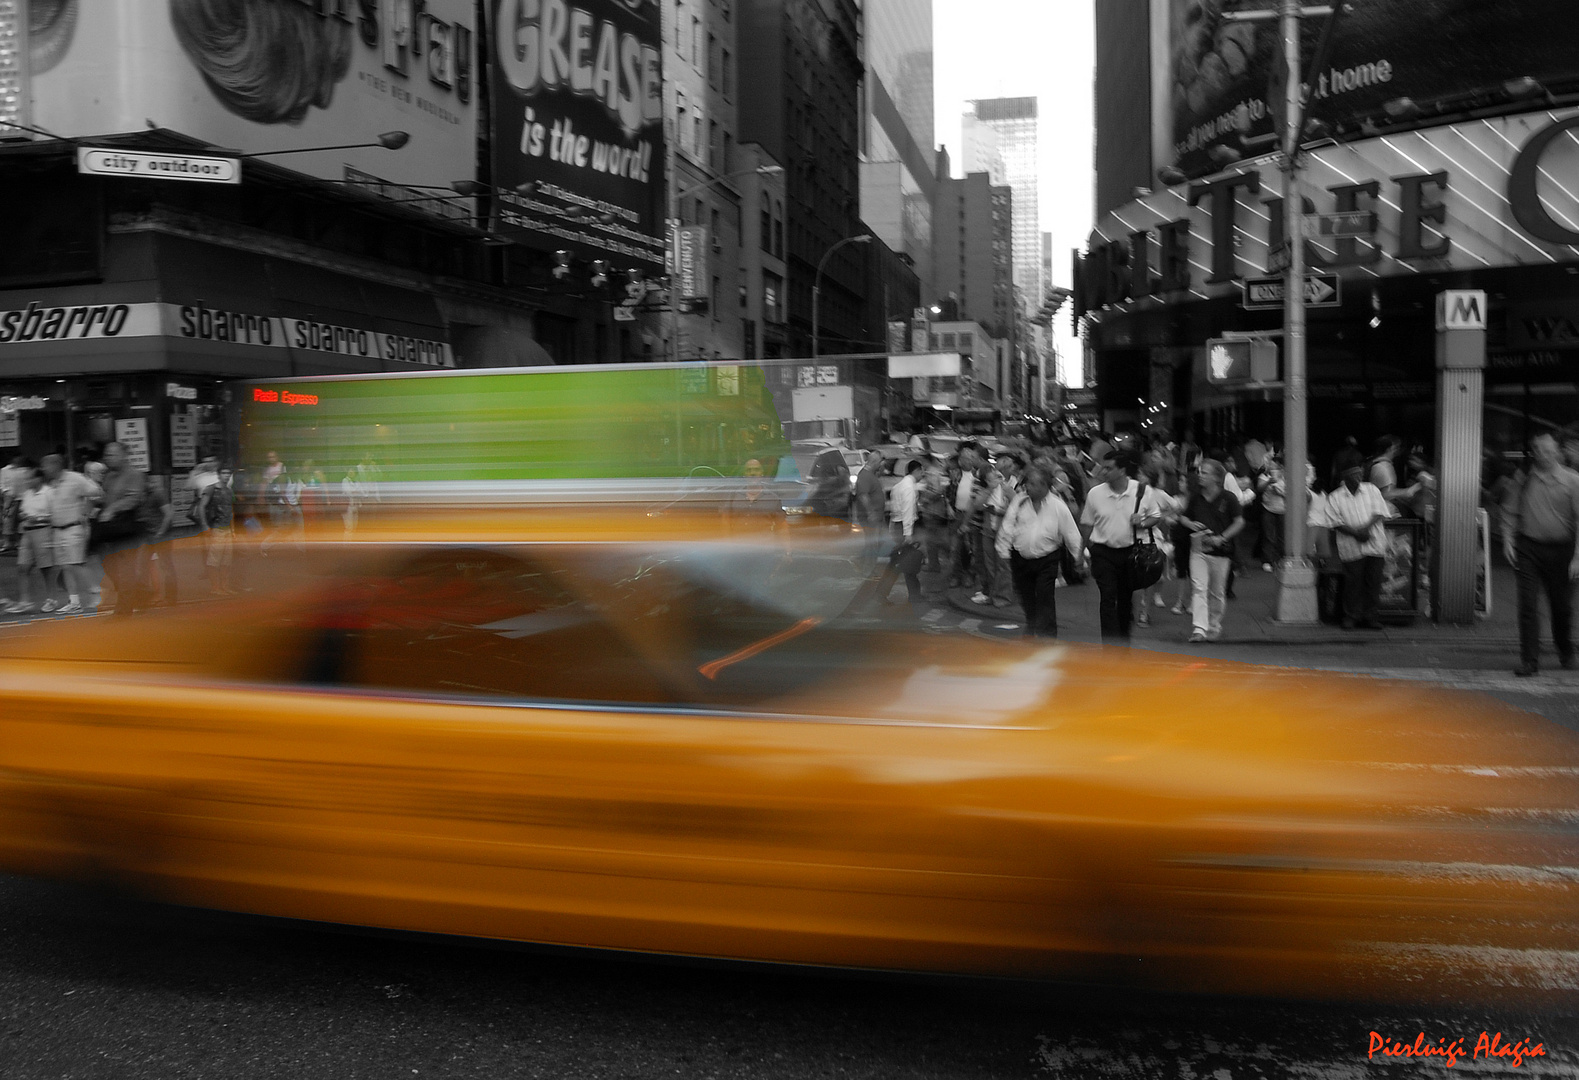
x=1266 y=293
x=144 y=165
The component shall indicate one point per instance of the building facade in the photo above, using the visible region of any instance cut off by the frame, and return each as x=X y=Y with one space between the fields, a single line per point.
x=1458 y=177
x=897 y=160
x=1000 y=137
x=973 y=249
x=801 y=104
x=717 y=186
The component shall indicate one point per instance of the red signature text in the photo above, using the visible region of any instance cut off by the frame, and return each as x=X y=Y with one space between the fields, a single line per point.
x=1489 y=1045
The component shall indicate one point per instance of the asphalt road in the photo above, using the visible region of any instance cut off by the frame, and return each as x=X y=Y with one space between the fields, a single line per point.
x=92 y=986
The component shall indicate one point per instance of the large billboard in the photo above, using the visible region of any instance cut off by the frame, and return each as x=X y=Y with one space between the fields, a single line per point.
x=270 y=75
x=1383 y=51
x=577 y=116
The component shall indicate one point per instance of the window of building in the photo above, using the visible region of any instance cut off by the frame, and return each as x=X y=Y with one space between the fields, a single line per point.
x=717 y=240
x=697 y=133
x=767 y=228
x=712 y=144
x=679 y=23
x=728 y=74
x=949 y=341
x=967 y=342
x=772 y=298
x=679 y=123
x=701 y=212
x=729 y=151
x=728 y=9
x=712 y=61
x=932 y=342
x=778 y=231
x=745 y=292
x=712 y=297
x=696 y=41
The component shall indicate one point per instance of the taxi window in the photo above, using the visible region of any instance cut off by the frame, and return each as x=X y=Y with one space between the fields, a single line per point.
x=470 y=622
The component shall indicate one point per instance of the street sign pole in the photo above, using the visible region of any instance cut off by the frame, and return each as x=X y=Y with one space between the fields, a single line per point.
x=1296 y=576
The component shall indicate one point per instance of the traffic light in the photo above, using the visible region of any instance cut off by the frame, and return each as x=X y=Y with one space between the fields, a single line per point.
x=1230 y=360
x=561 y=264
x=600 y=273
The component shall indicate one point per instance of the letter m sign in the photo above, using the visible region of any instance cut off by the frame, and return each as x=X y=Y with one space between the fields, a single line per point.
x=1461 y=309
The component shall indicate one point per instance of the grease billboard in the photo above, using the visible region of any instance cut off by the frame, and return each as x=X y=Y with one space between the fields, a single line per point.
x=269 y=75
x=577 y=118
x=1217 y=70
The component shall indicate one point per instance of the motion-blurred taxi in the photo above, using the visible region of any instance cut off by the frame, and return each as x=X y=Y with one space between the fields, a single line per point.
x=629 y=732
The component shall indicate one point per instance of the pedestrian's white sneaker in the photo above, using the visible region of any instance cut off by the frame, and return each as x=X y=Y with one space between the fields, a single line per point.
x=1159 y=601
x=1197 y=637
x=1267 y=567
x=49 y=605
x=980 y=598
x=19 y=608
x=73 y=608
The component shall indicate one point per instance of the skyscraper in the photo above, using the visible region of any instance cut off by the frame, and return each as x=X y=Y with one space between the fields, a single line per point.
x=897 y=161
x=1000 y=140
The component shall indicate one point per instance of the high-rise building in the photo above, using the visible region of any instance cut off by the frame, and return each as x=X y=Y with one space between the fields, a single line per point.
x=1000 y=140
x=972 y=254
x=800 y=103
x=897 y=161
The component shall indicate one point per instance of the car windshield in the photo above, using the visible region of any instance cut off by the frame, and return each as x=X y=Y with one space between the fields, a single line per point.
x=728 y=625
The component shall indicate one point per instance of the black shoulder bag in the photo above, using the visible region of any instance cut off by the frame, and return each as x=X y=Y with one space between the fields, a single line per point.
x=1146 y=559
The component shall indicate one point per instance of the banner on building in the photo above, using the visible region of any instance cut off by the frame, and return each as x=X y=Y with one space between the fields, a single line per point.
x=577 y=117
x=35 y=324
x=272 y=75
x=690 y=261
x=1407 y=55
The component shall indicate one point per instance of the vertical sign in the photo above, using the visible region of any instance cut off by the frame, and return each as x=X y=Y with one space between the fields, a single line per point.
x=183 y=440
x=133 y=436
x=15 y=91
x=691 y=261
x=577 y=117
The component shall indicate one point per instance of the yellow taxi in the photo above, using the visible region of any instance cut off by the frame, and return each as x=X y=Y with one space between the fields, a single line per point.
x=641 y=733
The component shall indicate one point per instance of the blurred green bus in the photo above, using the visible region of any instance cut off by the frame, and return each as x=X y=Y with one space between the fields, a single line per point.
x=445 y=433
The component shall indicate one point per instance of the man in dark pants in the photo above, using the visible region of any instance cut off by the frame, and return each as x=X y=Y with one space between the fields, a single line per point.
x=1114 y=510
x=1542 y=516
x=1037 y=528
x=1355 y=513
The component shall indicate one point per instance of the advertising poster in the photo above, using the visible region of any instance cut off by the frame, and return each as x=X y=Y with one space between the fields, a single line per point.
x=269 y=75
x=133 y=436
x=577 y=116
x=1424 y=50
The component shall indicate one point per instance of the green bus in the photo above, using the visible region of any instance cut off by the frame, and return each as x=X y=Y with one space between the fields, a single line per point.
x=446 y=432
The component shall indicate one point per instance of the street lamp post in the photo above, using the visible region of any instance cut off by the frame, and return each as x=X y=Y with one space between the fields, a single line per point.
x=816 y=286
x=674 y=240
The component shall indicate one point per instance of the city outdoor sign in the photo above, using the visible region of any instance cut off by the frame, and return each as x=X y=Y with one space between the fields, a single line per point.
x=1459 y=197
x=141 y=164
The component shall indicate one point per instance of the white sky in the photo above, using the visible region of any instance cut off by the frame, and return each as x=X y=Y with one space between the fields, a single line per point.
x=1028 y=48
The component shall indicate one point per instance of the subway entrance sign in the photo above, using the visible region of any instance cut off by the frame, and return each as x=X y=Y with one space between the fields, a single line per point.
x=1266 y=293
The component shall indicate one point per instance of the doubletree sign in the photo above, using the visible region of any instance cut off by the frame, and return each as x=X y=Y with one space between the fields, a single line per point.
x=1462 y=196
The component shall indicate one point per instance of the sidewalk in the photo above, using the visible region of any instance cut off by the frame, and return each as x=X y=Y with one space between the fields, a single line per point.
x=1249 y=619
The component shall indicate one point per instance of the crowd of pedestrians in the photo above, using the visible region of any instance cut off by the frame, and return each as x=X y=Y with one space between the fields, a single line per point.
x=75 y=531
x=1019 y=524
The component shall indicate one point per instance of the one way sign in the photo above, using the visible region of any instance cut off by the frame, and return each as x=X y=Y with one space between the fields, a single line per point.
x=1266 y=293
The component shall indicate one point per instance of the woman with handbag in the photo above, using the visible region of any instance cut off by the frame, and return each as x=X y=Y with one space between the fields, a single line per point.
x=1158 y=536
x=906 y=558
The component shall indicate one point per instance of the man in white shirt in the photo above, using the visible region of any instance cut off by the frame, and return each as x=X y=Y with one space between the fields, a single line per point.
x=73 y=499
x=1114 y=510
x=1037 y=528
x=903 y=506
x=1355 y=512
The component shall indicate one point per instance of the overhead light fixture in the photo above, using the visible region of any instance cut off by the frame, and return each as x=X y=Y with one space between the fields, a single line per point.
x=1401 y=108
x=1523 y=87
x=394 y=140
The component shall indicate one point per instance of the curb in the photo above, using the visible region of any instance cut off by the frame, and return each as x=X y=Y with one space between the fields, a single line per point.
x=960 y=600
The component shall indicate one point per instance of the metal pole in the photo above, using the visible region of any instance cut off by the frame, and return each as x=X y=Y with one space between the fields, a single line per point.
x=1296 y=601
x=816 y=294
